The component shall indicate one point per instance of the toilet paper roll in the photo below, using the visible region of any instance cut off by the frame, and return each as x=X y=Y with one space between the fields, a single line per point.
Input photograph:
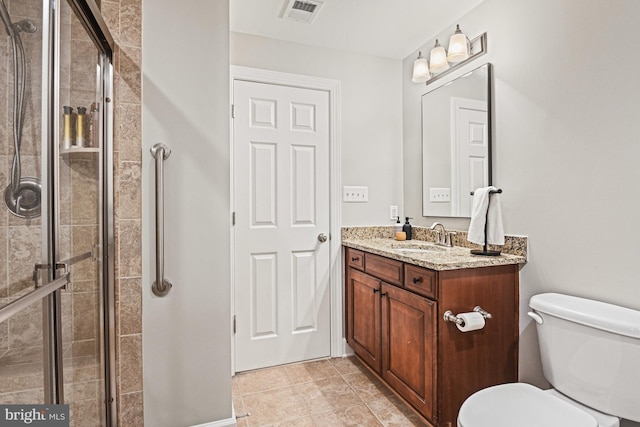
x=472 y=321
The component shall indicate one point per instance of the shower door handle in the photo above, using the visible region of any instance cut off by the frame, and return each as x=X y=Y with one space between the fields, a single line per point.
x=161 y=286
x=14 y=307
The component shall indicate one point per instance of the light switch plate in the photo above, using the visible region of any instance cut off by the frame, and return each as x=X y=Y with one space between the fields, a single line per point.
x=352 y=194
x=439 y=195
x=393 y=212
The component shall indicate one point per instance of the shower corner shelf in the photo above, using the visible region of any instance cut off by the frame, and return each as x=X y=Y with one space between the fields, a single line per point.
x=68 y=151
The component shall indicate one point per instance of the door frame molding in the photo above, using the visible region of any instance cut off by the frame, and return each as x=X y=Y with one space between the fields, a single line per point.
x=337 y=342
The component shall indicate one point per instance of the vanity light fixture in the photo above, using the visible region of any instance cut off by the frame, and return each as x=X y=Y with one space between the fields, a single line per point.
x=420 y=69
x=461 y=51
x=438 y=59
x=458 y=46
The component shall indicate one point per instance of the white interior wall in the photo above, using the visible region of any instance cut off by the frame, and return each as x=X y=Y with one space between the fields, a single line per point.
x=186 y=335
x=371 y=111
x=565 y=107
x=567 y=99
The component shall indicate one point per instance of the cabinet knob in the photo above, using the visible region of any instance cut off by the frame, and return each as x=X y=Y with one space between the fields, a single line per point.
x=376 y=290
x=417 y=280
x=354 y=258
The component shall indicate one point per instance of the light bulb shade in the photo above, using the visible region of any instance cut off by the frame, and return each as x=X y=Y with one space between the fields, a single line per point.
x=458 y=48
x=420 y=69
x=438 y=59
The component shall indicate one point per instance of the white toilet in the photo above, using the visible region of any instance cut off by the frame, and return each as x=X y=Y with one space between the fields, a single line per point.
x=591 y=356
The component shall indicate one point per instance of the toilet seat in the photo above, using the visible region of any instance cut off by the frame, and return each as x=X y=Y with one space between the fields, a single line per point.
x=522 y=405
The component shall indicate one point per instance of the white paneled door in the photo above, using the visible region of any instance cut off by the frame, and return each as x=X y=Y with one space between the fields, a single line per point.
x=470 y=151
x=281 y=191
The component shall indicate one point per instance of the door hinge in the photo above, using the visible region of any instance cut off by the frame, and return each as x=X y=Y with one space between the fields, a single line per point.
x=233 y=111
x=233 y=218
x=234 y=324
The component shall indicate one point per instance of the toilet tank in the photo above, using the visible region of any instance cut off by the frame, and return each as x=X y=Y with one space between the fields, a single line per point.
x=591 y=352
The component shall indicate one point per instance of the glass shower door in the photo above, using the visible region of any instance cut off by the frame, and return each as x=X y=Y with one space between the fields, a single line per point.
x=56 y=225
x=78 y=242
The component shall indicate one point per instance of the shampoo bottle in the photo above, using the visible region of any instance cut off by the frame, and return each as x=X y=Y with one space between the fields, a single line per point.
x=81 y=128
x=68 y=126
x=407 y=228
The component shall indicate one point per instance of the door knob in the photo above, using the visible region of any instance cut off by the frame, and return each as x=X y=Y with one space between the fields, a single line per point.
x=322 y=237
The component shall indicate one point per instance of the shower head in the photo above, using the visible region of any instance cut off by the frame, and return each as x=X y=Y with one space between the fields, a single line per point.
x=25 y=26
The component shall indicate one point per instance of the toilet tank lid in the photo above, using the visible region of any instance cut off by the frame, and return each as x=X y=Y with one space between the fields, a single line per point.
x=596 y=314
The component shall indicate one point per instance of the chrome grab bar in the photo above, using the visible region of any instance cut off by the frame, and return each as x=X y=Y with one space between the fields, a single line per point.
x=21 y=303
x=161 y=286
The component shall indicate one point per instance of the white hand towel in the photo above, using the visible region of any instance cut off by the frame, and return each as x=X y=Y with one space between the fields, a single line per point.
x=483 y=200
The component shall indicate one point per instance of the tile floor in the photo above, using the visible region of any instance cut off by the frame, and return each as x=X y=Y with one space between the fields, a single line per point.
x=321 y=393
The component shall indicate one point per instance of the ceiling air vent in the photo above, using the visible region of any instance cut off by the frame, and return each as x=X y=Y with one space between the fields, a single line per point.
x=304 y=11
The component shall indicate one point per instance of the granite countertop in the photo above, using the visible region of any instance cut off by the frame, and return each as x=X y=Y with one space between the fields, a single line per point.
x=428 y=255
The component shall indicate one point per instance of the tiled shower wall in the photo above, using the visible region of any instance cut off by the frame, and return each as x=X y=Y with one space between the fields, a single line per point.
x=124 y=19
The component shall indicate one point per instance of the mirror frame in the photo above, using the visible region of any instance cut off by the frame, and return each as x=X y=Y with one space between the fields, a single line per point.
x=490 y=139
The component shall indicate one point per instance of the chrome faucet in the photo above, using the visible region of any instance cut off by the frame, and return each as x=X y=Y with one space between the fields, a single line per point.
x=443 y=237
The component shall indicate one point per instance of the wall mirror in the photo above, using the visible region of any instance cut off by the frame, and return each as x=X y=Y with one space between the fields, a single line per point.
x=456 y=143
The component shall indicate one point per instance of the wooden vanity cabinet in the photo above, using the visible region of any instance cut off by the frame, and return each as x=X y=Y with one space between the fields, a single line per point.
x=398 y=330
x=363 y=327
x=409 y=345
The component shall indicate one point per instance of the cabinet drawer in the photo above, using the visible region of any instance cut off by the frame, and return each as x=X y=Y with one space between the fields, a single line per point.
x=383 y=268
x=355 y=258
x=420 y=280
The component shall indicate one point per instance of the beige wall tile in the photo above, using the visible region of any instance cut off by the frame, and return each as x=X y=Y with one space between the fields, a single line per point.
x=84 y=189
x=25 y=328
x=111 y=15
x=24 y=252
x=128 y=80
x=131 y=410
x=131 y=23
x=85 y=316
x=130 y=259
x=130 y=201
x=129 y=130
x=130 y=306
x=131 y=363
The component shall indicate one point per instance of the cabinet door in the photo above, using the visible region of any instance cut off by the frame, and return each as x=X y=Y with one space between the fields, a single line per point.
x=363 y=316
x=409 y=346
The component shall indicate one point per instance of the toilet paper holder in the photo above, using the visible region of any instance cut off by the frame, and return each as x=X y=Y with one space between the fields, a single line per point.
x=450 y=317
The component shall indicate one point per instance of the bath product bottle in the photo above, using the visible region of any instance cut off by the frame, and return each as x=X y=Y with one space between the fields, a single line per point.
x=407 y=228
x=68 y=126
x=81 y=128
x=398 y=225
x=93 y=126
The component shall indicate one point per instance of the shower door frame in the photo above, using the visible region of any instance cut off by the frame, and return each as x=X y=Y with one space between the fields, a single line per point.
x=89 y=15
x=50 y=274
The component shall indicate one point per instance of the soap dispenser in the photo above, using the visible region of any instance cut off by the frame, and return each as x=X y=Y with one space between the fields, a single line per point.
x=398 y=225
x=407 y=228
